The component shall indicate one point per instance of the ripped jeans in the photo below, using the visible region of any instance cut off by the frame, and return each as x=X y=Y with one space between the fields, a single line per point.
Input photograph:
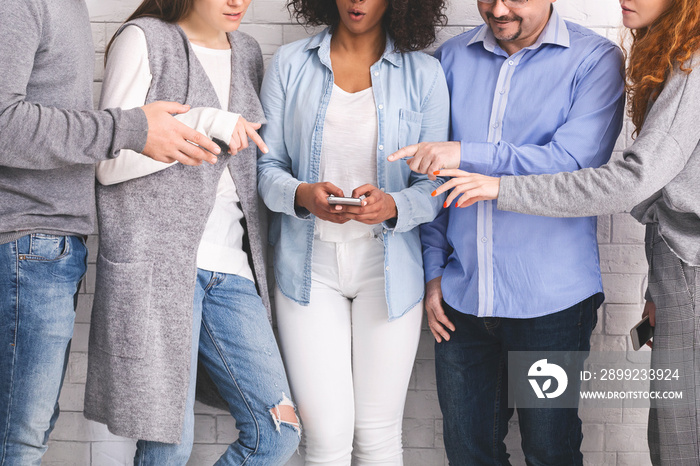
x=238 y=349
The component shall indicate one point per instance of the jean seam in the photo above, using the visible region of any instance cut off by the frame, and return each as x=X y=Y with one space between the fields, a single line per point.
x=14 y=355
x=233 y=379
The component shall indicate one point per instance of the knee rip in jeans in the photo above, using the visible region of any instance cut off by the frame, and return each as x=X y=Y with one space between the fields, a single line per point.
x=285 y=413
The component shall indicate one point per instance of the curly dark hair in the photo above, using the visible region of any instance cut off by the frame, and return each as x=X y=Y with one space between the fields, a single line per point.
x=411 y=23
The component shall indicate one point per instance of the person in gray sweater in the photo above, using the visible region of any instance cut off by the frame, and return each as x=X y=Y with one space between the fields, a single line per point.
x=657 y=178
x=51 y=139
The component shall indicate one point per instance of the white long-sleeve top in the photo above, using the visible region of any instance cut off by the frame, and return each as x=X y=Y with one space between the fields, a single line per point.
x=126 y=83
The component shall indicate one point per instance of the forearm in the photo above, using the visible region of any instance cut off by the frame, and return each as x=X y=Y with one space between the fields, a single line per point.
x=41 y=138
x=645 y=168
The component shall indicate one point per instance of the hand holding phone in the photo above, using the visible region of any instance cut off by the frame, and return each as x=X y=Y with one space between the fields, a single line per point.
x=641 y=333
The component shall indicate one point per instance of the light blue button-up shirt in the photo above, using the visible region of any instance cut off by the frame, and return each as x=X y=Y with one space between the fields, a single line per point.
x=554 y=106
x=412 y=103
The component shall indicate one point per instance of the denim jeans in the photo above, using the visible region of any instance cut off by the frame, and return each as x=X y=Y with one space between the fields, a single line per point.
x=237 y=348
x=472 y=384
x=39 y=280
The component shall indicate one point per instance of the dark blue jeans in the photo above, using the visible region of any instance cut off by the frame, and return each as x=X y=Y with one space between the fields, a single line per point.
x=472 y=384
x=39 y=280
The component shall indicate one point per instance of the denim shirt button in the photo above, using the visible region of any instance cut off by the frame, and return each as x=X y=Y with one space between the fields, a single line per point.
x=484 y=239
x=381 y=106
x=376 y=73
x=387 y=268
x=381 y=147
x=385 y=231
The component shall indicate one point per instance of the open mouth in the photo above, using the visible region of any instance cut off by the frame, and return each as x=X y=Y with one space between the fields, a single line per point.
x=356 y=14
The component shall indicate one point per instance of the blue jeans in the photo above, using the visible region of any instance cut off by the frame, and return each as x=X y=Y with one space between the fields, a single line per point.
x=39 y=280
x=472 y=385
x=237 y=348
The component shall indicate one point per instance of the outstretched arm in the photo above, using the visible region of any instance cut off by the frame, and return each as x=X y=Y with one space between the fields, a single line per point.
x=38 y=136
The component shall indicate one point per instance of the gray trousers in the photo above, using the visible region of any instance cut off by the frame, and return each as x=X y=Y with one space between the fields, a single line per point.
x=673 y=425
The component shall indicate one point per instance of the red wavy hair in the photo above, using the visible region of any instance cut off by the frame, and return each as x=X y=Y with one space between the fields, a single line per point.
x=669 y=41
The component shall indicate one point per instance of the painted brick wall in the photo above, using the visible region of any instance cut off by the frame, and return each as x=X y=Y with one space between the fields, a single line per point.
x=611 y=437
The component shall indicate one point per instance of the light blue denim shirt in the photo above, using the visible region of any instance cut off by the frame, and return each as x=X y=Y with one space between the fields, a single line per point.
x=412 y=105
x=554 y=106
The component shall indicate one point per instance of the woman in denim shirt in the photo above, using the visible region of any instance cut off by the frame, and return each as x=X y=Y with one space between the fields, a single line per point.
x=350 y=278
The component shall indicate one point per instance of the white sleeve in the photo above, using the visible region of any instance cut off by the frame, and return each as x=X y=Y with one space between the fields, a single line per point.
x=126 y=83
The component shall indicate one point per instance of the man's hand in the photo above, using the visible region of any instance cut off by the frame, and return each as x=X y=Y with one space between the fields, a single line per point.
x=244 y=130
x=314 y=198
x=650 y=310
x=169 y=140
x=472 y=187
x=437 y=320
x=377 y=206
x=428 y=157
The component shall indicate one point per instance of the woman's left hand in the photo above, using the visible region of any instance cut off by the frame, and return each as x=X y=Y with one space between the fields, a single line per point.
x=472 y=187
x=377 y=206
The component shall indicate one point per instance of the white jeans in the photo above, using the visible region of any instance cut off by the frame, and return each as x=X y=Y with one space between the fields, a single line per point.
x=348 y=367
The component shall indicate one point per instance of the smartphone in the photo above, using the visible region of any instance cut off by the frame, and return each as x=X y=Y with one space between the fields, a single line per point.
x=336 y=200
x=641 y=333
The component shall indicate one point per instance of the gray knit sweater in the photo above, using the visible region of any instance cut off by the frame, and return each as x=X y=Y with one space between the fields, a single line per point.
x=49 y=136
x=659 y=174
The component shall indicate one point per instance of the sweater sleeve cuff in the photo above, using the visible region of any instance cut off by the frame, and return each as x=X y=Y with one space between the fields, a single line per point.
x=505 y=193
x=130 y=130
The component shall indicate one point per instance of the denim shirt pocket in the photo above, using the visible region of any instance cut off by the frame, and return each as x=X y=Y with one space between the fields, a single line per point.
x=121 y=307
x=409 y=127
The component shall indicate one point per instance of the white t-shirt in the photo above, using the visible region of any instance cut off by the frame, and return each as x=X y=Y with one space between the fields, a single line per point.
x=126 y=84
x=349 y=155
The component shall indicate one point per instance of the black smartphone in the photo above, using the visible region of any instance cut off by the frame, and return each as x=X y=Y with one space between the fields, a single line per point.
x=641 y=333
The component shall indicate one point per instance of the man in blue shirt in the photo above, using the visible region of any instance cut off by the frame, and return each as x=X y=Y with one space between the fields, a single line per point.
x=530 y=94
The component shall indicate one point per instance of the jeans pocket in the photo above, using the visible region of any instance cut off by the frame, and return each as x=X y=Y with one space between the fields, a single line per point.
x=121 y=308
x=46 y=248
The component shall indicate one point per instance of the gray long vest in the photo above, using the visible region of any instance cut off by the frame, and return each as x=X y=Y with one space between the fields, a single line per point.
x=150 y=229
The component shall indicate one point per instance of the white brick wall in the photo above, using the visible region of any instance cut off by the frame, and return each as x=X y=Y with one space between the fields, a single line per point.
x=612 y=437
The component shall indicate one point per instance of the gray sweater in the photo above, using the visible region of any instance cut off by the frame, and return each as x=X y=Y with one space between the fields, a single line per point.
x=657 y=177
x=50 y=137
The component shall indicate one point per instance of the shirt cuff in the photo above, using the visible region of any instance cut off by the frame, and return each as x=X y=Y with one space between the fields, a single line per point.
x=434 y=264
x=297 y=211
x=477 y=157
x=222 y=126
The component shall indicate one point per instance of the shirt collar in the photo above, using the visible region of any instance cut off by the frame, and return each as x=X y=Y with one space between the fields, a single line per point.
x=555 y=32
x=322 y=42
